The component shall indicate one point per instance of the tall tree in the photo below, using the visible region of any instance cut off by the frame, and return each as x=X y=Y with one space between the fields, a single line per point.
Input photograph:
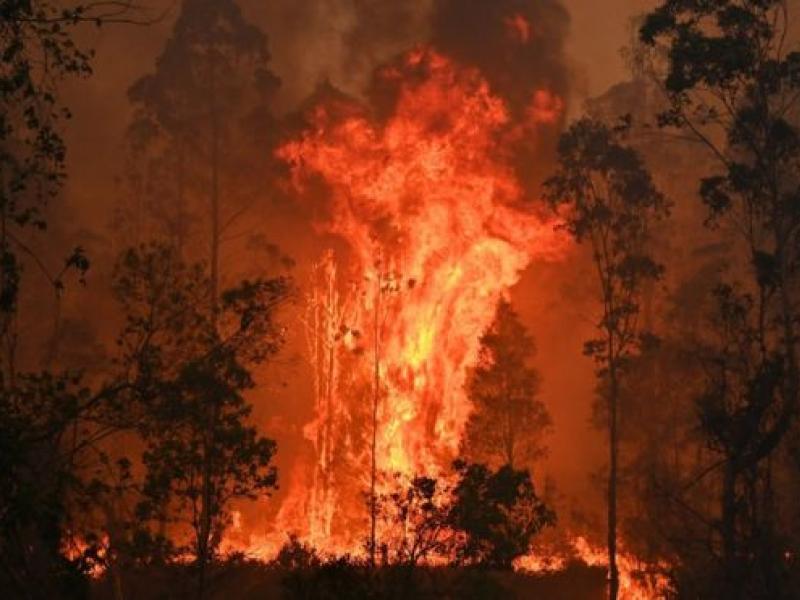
x=508 y=419
x=42 y=415
x=201 y=132
x=608 y=200
x=731 y=78
x=385 y=283
x=203 y=113
x=188 y=362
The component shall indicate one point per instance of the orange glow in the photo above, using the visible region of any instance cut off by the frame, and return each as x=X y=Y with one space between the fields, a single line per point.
x=637 y=581
x=545 y=107
x=519 y=28
x=431 y=209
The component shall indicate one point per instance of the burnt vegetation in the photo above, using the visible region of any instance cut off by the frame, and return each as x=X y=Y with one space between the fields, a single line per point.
x=140 y=359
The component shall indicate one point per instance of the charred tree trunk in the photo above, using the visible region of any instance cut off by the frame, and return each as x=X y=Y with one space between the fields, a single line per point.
x=207 y=508
x=728 y=529
x=613 y=443
x=373 y=500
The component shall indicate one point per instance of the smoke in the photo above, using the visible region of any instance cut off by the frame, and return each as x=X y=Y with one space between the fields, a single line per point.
x=517 y=44
x=338 y=47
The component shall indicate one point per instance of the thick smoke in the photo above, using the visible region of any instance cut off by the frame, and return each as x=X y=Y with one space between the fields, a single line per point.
x=517 y=44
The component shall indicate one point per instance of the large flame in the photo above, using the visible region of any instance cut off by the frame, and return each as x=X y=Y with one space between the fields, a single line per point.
x=439 y=230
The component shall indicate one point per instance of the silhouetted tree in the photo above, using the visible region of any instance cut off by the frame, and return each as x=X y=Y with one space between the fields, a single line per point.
x=417 y=518
x=32 y=152
x=508 y=420
x=192 y=365
x=44 y=436
x=732 y=83
x=497 y=512
x=383 y=284
x=201 y=132
x=202 y=118
x=608 y=200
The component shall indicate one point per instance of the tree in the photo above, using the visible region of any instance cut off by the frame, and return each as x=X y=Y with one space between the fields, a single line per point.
x=202 y=130
x=385 y=284
x=419 y=513
x=49 y=421
x=608 y=200
x=497 y=513
x=192 y=365
x=732 y=84
x=506 y=425
x=51 y=430
x=202 y=115
x=32 y=151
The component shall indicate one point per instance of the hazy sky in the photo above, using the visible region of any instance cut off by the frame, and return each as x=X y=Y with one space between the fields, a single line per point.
x=599 y=29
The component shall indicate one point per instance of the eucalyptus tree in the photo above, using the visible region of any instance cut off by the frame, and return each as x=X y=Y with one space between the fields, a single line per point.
x=732 y=81
x=609 y=202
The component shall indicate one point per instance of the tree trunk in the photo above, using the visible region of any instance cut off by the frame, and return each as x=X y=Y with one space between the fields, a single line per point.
x=728 y=529
x=373 y=508
x=213 y=410
x=613 y=570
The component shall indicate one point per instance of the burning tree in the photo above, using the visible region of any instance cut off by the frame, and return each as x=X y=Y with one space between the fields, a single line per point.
x=326 y=330
x=417 y=516
x=609 y=201
x=508 y=420
x=427 y=189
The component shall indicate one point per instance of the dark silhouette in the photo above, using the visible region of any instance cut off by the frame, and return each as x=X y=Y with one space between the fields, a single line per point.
x=189 y=361
x=498 y=513
x=508 y=419
x=610 y=203
x=730 y=78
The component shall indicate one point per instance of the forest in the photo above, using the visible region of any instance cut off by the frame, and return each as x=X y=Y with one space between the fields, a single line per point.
x=388 y=299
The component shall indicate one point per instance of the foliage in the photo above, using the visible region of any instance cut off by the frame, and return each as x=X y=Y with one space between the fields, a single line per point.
x=191 y=368
x=508 y=419
x=38 y=50
x=608 y=200
x=36 y=476
x=295 y=555
x=732 y=83
x=498 y=512
x=419 y=514
x=201 y=127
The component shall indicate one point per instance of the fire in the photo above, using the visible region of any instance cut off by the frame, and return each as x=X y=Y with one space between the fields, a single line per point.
x=545 y=107
x=439 y=230
x=638 y=581
x=519 y=28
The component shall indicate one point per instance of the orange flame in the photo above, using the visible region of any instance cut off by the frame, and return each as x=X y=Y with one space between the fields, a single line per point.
x=439 y=232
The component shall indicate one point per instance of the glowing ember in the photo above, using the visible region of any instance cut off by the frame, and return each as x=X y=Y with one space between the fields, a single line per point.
x=519 y=28
x=545 y=107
